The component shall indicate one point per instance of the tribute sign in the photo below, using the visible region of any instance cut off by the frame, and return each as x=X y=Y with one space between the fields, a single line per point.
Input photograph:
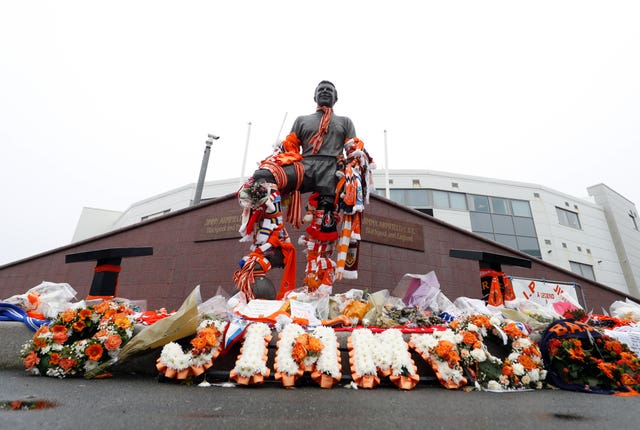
x=389 y=231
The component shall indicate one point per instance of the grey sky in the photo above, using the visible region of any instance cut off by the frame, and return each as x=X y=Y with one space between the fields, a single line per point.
x=103 y=104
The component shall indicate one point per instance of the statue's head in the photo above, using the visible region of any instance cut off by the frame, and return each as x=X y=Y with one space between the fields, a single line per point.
x=326 y=94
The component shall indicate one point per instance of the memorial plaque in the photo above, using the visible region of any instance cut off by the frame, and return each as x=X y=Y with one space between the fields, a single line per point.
x=393 y=232
x=216 y=227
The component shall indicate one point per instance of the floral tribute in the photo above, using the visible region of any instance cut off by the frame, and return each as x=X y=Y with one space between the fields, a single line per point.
x=251 y=365
x=522 y=367
x=440 y=350
x=384 y=354
x=315 y=352
x=79 y=340
x=580 y=358
x=461 y=350
x=174 y=363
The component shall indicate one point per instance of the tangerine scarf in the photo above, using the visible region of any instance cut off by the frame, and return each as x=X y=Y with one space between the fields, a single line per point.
x=318 y=138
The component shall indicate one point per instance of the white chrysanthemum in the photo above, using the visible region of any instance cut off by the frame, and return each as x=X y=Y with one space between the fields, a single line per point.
x=400 y=357
x=363 y=343
x=328 y=362
x=285 y=362
x=513 y=357
x=173 y=357
x=252 y=359
x=201 y=359
x=478 y=354
x=518 y=369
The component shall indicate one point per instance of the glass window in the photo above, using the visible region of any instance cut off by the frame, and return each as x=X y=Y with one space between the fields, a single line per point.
x=480 y=203
x=568 y=218
x=499 y=206
x=502 y=224
x=489 y=236
x=529 y=245
x=521 y=208
x=397 y=196
x=418 y=198
x=508 y=240
x=582 y=269
x=440 y=199
x=481 y=222
x=524 y=226
x=458 y=201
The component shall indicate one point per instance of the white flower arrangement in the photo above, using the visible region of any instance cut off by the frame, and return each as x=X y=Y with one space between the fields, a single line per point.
x=284 y=360
x=364 y=345
x=328 y=361
x=174 y=362
x=398 y=356
x=386 y=354
x=252 y=360
x=444 y=361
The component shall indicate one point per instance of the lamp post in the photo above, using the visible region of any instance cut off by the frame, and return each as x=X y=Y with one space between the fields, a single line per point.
x=203 y=168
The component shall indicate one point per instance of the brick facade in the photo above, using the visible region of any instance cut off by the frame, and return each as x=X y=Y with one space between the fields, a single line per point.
x=199 y=246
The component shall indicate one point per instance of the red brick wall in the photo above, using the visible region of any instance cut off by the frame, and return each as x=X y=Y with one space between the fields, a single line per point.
x=180 y=262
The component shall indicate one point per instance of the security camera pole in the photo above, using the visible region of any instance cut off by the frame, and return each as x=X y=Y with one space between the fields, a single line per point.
x=203 y=168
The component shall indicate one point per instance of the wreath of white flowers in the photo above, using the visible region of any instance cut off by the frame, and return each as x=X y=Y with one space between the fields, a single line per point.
x=251 y=365
x=206 y=345
x=384 y=354
x=463 y=346
x=315 y=352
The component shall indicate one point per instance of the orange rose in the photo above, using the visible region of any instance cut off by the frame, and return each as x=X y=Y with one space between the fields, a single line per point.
x=43 y=329
x=507 y=370
x=443 y=349
x=101 y=307
x=123 y=322
x=54 y=359
x=513 y=331
x=79 y=325
x=61 y=336
x=94 y=351
x=31 y=360
x=613 y=346
x=85 y=313
x=40 y=342
x=113 y=342
x=481 y=321
x=199 y=342
x=67 y=363
x=299 y=352
x=68 y=315
x=527 y=362
x=315 y=345
x=469 y=337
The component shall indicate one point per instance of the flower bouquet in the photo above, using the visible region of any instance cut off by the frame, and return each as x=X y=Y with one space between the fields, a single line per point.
x=440 y=350
x=79 y=340
x=580 y=358
x=251 y=365
x=174 y=363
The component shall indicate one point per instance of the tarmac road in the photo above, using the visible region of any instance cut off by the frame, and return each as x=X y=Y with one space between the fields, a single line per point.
x=141 y=402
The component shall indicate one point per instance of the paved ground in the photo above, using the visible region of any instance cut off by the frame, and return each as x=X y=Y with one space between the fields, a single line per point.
x=141 y=402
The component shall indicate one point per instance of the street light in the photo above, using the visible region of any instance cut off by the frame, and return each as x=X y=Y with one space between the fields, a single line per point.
x=203 y=168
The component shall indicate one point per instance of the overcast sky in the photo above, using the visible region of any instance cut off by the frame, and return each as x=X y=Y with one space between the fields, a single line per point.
x=103 y=104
